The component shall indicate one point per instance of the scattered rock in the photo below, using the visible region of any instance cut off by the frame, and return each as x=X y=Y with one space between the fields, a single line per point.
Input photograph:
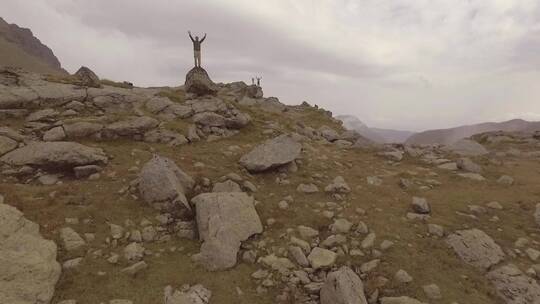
x=321 y=258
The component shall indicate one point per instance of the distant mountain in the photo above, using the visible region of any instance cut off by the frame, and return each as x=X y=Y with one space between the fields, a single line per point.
x=451 y=135
x=19 y=48
x=375 y=134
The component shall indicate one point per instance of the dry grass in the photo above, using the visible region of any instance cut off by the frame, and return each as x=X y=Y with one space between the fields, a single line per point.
x=427 y=259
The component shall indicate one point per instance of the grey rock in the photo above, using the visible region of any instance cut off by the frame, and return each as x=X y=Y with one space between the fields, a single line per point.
x=7 y=144
x=226 y=186
x=196 y=294
x=209 y=119
x=343 y=287
x=164 y=185
x=476 y=248
x=466 y=164
x=272 y=153
x=55 y=154
x=198 y=82
x=466 y=147
x=54 y=134
x=513 y=286
x=307 y=188
x=132 y=126
x=28 y=267
x=71 y=239
x=87 y=77
x=224 y=220
x=420 y=205
x=321 y=258
x=82 y=129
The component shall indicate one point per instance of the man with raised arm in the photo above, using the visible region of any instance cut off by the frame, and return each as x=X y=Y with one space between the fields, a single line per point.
x=197 y=48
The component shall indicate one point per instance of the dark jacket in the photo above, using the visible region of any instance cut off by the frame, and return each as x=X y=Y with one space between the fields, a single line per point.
x=197 y=44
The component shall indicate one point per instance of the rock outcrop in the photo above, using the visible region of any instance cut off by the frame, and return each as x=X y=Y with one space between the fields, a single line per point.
x=224 y=220
x=199 y=83
x=272 y=153
x=28 y=267
x=163 y=185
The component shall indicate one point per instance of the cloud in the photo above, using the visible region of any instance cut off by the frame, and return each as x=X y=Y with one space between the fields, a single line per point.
x=403 y=64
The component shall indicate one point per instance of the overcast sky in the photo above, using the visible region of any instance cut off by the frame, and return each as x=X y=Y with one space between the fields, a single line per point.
x=401 y=64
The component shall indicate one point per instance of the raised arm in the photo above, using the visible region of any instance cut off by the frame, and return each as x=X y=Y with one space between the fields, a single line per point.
x=191 y=37
x=203 y=37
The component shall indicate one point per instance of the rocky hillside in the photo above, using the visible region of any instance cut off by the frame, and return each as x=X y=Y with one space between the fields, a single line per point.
x=451 y=135
x=213 y=193
x=19 y=48
x=378 y=135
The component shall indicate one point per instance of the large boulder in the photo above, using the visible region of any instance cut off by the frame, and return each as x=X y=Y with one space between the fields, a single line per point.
x=55 y=155
x=343 y=287
x=224 y=220
x=272 y=153
x=87 y=77
x=28 y=267
x=476 y=248
x=164 y=185
x=199 y=83
x=514 y=286
x=466 y=147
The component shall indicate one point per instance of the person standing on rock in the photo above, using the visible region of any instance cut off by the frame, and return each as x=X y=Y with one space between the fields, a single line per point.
x=197 y=48
x=259 y=81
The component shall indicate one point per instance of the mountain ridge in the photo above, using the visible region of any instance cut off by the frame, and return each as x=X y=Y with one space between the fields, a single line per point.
x=20 y=48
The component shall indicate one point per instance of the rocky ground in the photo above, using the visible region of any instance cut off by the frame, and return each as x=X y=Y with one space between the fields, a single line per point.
x=212 y=193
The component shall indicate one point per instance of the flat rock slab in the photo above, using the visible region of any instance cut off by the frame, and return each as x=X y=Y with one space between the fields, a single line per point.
x=28 y=267
x=224 y=220
x=476 y=248
x=271 y=154
x=514 y=286
x=55 y=154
